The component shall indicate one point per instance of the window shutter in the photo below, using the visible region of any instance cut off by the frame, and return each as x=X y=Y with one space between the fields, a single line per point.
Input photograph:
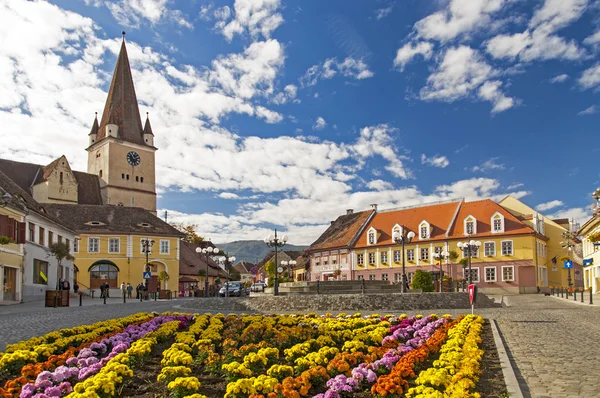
x=12 y=229
x=3 y=225
x=21 y=237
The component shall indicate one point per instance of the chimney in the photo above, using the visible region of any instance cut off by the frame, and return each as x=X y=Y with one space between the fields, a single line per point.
x=374 y=206
x=349 y=211
x=332 y=222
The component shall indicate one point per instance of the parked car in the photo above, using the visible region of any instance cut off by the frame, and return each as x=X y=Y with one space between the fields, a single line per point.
x=257 y=287
x=235 y=289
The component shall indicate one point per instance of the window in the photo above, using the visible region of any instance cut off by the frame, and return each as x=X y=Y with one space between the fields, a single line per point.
x=396 y=256
x=425 y=253
x=470 y=227
x=361 y=278
x=371 y=277
x=371 y=237
x=333 y=260
x=103 y=273
x=164 y=248
x=438 y=249
x=384 y=277
x=142 y=180
x=410 y=254
x=409 y=276
x=397 y=277
x=40 y=272
x=371 y=258
x=508 y=273
x=474 y=273
x=474 y=251
x=93 y=245
x=360 y=259
x=490 y=274
x=384 y=257
x=50 y=238
x=424 y=232
x=123 y=176
x=60 y=178
x=142 y=246
x=127 y=177
x=41 y=235
x=489 y=249
x=31 y=232
x=137 y=178
x=59 y=239
x=325 y=261
x=76 y=246
x=507 y=248
x=497 y=225
x=114 y=245
x=100 y=174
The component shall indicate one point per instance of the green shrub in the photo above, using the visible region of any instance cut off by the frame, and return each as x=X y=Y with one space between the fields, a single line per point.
x=423 y=280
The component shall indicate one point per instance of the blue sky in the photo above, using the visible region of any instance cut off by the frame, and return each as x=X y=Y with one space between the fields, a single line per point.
x=274 y=113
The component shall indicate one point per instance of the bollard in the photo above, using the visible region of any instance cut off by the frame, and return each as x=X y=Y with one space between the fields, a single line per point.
x=155 y=295
x=562 y=292
x=92 y=293
x=56 y=300
x=141 y=296
x=124 y=295
x=591 y=301
x=80 y=299
x=582 y=295
x=104 y=297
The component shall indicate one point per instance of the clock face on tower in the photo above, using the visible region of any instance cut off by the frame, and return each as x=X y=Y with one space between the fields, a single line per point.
x=133 y=158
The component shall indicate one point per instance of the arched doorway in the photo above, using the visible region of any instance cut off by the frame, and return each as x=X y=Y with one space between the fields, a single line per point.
x=156 y=267
x=103 y=271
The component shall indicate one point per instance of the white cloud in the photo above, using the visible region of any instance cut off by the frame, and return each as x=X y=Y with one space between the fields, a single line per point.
x=593 y=40
x=462 y=72
x=488 y=165
x=515 y=186
x=350 y=67
x=559 y=78
x=549 y=205
x=590 y=77
x=380 y=185
x=378 y=140
x=320 y=124
x=255 y=17
x=578 y=214
x=383 y=12
x=461 y=17
x=228 y=195
x=435 y=161
x=539 y=40
x=407 y=52
x=589 y=110
x=131 y=13
x=270 y=116
x=288 y=94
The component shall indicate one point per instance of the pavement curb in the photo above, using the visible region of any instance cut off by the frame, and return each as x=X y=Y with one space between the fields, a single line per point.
x=510 y=379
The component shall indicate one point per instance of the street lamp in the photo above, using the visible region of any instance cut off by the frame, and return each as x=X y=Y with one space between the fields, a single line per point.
x=444 y=255
x=147 y=249
x=403 y=238
x=469 y=247
x=226 y=263
x=291 y=263
x=568 y=236
x=274 y=241
x=208 y=251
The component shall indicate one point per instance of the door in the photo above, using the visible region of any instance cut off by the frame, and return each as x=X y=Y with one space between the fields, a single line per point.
x=10 y=284
x=153 y=283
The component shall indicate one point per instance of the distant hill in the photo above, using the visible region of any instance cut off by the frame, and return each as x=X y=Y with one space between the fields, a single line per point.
x=252 y=250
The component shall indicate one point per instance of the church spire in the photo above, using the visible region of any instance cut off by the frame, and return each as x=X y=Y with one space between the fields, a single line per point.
x=147 y=127
x=121 y=107
x=94 y=130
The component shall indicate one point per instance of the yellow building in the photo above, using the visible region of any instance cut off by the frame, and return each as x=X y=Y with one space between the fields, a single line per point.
x=12 y=254
x=590 y=233
x=111 y=245
x=551 y=271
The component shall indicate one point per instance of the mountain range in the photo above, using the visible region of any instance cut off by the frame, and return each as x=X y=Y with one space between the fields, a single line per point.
x=252 y=250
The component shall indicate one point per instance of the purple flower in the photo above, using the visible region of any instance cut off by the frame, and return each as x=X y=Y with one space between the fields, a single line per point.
x=53 y=392
x=73 y=361
x=45 y=375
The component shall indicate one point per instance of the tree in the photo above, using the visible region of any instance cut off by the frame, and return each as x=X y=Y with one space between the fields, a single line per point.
x=163 y=276
x=423 y=280
x=453 y=255
x=270 y=268
x=464 y=262
x=60 y=251
x=190 y=232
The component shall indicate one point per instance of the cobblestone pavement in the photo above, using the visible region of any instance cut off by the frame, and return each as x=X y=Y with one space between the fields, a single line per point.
x=551 y=342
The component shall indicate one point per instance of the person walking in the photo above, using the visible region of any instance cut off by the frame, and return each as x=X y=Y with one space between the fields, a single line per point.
x=59 y=285
x=102 y=290
x=75 y=287
x=129 y=290
x=123 y=289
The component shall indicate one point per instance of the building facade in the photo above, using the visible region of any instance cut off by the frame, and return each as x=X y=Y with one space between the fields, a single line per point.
x=590 y=234
x=12 y=252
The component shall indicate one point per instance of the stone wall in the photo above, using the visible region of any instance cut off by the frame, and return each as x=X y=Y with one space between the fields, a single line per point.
x=341 y=303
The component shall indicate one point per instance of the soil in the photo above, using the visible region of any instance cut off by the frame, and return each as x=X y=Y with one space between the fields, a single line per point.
x=143 y=383
x=491 y=381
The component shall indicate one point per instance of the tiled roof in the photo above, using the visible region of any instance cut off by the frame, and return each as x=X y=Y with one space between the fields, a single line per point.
x=439 y=216
x=243 y=267
x=113 y=219
x=341 y=232
x=121 y=106
x=483 y=210
x=88 y=188
x=282 y=255
x=190 y=262
x=23 y=174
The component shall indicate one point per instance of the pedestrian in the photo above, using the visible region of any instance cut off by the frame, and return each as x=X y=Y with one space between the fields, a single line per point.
x=123 y=289
x=75 y=287
x=129 y=290
x=102 y=290
x=66 y=285
x=137 y=291
x=107 y=289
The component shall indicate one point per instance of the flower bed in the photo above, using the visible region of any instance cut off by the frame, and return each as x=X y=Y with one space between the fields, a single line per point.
x=257 y=356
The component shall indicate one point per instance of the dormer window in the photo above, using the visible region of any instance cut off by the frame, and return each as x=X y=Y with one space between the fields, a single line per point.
x=424 y=230
x=497 y=223
x=396 y=231
x=144 y=225
x=470 y=225
x=95 y=223
x=372 y=236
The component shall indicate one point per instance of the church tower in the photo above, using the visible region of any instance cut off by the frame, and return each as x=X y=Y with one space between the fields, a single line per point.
x=121 y=152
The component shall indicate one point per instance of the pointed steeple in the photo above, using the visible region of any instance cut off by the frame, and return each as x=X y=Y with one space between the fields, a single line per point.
x=94 y=130
x=147 y=127
x=121 y=106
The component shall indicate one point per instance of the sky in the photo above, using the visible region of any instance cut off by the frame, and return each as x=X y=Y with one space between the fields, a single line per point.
x=283 y=114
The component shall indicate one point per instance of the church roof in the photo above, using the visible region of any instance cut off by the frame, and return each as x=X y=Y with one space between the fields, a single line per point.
x=95 y=126
x=25 y=175
x=107 y=219
x=121 y=106
x=147 y=127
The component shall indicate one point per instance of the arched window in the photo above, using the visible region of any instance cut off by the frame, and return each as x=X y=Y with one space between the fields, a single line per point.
x=103 y=272
x=424 y=230
x=372 y=236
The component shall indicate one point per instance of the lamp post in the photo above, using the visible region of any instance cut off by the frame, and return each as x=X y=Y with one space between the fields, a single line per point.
x=291 y=264
x=208 y=251
x=568 y=236
x=274 y=241
x=226 y=263
x=443 y=255
x=403 y=238
x=469 y=247
x=147 y=249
